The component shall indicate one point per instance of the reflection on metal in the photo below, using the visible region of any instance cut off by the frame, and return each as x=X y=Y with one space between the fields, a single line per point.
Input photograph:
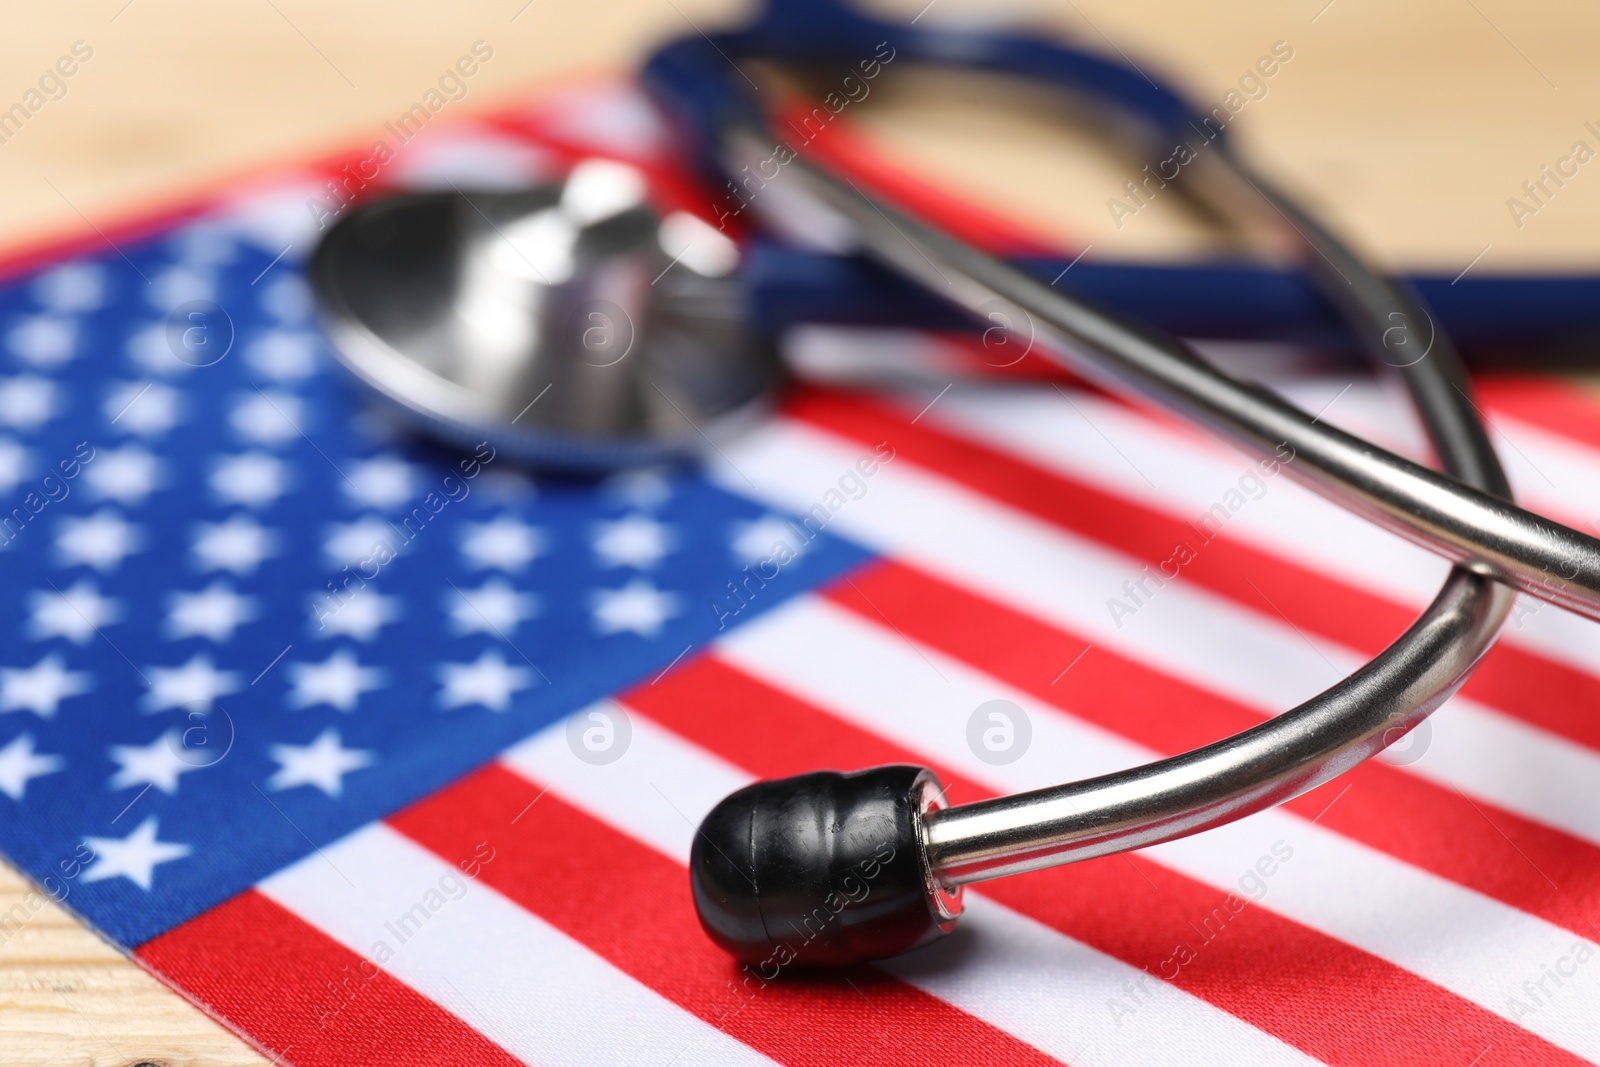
x=568 y=325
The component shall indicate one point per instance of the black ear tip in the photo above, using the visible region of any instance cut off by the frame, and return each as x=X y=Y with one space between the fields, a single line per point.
x=722 y=874
x=822 y=869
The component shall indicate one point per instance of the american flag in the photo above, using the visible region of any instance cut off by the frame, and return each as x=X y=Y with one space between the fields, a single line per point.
x=384 y=754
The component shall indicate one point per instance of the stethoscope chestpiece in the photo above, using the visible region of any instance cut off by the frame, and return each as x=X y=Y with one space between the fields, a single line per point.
x=569 y=326
x=824 y=869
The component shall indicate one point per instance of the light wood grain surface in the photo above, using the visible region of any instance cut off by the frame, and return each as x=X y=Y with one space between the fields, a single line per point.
x=1409 y=126
x=68 y=999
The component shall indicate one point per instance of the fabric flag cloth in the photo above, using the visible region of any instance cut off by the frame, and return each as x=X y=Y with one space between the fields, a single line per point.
x=382 y=753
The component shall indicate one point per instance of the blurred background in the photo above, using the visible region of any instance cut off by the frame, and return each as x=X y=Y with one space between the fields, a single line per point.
x=1410 y=127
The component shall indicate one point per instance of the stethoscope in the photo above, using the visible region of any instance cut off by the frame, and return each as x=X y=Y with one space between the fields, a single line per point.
x=575 y=327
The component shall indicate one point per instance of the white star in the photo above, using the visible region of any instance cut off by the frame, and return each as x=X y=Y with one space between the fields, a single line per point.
x=238 y=545
x=383 y=482
x=13 y=464
x=197 y=682
x=178 y=285
x=147 y=347
x=350 y=543
x=494 y=607
x=640 y=488
x=42 y=687
x=144 y=408
x=323 y=763
x=359 y=615
x=253 y=479
x=632 y=541
x=638 y=607
x=339 y=680
x=204 y=244
x=489 y=682
x=504 y=543
x=19 y=764
x=100 y=540
x=43 y=340
x=75 y=614
x=157 y=764
x=151 y=351
x=126 y=475
x=268 y=418
x=283 y=355
x=214 y=613
x=26 y=401
x=134 y=857
x=288 y=299
x=759 y=540
x=71 y=287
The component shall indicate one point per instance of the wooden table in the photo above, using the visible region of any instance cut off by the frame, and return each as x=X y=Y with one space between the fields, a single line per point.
x=1410 y=126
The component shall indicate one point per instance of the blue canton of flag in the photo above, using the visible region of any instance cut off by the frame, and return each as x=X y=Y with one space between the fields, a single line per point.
x=243 y=616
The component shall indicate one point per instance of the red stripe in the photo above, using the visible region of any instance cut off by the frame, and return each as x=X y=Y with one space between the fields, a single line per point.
x=1546 y=694
x=1484 y=848
x=299 y=995
x=1312 y=991
x=1542 y=400
x=630 y=905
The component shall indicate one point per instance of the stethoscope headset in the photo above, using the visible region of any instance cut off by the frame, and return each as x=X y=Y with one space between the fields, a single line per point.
x=772 y=857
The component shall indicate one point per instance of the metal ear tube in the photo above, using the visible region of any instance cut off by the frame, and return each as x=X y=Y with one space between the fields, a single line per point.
x=770 y=859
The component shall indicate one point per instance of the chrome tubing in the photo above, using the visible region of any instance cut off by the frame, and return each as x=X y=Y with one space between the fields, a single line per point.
x=1465 y=515
x=1251 y=771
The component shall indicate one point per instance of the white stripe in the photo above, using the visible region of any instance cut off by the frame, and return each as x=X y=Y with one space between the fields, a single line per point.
x=1073 y=1001
x=505 y=972
x=1549 y=471
x=1208 y=640
x=657 y=792
x=1553 y=473
x=1004 y=968
x=837 y=355
x=921 y=699
x=1376 y=408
